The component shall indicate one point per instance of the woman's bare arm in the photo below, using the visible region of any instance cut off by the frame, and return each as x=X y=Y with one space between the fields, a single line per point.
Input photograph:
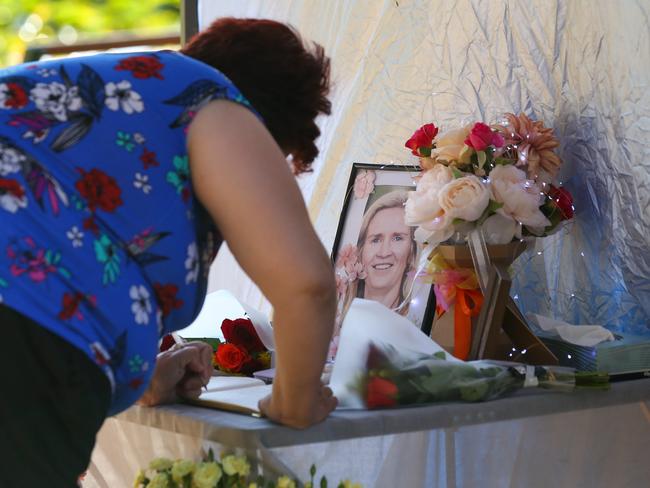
x=242 y=178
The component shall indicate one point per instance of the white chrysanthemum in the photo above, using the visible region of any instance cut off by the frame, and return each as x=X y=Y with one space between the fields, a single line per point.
x=120 y=96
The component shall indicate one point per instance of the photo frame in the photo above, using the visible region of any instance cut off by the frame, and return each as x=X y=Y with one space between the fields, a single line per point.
x=374 y=253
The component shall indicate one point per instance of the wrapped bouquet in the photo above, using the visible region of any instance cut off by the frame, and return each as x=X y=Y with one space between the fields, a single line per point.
x=392 y=379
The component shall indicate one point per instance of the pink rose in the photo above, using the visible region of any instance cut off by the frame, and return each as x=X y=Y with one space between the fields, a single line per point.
x=481 y=137
x=364 y=184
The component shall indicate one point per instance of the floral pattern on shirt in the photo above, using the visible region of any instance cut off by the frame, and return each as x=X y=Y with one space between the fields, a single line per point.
x=97 y=209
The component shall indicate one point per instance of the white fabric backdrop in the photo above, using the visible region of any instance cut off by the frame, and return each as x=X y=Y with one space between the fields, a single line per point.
x=582 y=66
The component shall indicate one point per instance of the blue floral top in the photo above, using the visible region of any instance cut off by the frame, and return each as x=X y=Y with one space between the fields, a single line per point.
x=103 y=242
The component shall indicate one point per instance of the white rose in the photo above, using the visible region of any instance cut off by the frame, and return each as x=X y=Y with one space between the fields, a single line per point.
x=521 y=198
x=450 y=146
x=464 y=198
x=422 y=204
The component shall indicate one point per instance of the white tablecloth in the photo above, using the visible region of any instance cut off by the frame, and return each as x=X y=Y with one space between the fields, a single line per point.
x=598 y=439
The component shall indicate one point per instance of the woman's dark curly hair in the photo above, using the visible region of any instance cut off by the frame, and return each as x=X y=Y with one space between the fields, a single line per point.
x=285 y=80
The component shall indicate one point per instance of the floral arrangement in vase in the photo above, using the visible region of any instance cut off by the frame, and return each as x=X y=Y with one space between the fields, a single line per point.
x=498 y=177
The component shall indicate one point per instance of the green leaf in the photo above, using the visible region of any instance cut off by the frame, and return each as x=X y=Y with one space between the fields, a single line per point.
x=458 y=221
x=210 y=455
x=481 y=158
x=502 y=161
x=456 y=173
x=424 y=151
x=493 y=206
x=323 y=482
x=312 y=471
x=440 y=355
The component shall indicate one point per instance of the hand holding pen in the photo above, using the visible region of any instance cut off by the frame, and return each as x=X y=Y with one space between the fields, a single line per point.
x=181 y=371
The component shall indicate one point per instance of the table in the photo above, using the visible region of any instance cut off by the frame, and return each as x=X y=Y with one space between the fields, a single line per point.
x=532 y=438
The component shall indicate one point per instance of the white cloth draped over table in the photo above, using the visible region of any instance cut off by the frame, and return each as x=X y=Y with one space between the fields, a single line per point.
x=597 y=448
x=582 y=66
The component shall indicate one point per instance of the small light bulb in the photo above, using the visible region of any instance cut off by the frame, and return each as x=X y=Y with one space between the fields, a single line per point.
x=568 y=356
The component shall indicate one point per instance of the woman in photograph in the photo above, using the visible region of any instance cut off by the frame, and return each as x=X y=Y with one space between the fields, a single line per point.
x=120 y=175
x=387 y=254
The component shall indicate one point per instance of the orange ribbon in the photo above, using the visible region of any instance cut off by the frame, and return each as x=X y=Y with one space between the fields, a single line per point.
x=468 y=305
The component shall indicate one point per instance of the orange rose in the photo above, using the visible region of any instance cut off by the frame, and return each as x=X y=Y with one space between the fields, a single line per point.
x=230 y=357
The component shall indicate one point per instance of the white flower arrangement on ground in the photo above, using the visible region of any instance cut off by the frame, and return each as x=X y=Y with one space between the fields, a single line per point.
x=230 y=471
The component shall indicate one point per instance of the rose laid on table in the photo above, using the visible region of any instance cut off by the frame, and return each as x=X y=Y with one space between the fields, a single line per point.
x=243 y=352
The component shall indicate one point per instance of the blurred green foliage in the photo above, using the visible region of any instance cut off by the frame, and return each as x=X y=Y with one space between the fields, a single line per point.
x=24 y=22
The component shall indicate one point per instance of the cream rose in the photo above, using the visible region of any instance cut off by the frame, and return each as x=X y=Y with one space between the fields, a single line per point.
x=206 y=475
x=521 y=198
x=422 y=204
x=450 y=146
x=464 y=198
x=436 y=231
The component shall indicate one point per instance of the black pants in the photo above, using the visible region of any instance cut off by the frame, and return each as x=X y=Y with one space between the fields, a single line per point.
x=53 y=402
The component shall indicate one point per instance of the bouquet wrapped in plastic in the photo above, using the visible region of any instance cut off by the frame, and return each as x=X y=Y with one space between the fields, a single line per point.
x=394 y=378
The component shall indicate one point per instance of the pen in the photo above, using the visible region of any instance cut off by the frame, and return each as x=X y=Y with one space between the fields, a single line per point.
x=180 y=342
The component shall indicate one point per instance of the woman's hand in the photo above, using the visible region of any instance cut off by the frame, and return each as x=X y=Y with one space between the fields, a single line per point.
x=301 y=409
x=180 y=372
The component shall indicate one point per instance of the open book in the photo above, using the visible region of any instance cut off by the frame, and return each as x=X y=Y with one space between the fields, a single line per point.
x=234 y=393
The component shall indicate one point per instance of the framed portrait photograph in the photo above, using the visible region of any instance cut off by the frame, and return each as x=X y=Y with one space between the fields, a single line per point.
x=375 y=255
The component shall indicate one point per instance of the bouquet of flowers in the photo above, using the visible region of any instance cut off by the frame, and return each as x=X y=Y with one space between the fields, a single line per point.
x=499 y=178
x=230 y=471
x=392 y=379
x=243 y=352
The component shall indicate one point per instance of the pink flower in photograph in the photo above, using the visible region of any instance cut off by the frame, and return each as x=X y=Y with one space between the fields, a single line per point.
x=364 y=184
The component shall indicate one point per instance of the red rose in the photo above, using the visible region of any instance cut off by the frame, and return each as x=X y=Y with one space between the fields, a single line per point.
x=380 y=392
x=230 y=357
x=421 y=141
x=12 y=187
x=99 y=190
x=167 y=342
x=141 y=67
x=17 y=96
x=166 y=297
x=242 y=333
x=482 y=136
x=563 y=200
